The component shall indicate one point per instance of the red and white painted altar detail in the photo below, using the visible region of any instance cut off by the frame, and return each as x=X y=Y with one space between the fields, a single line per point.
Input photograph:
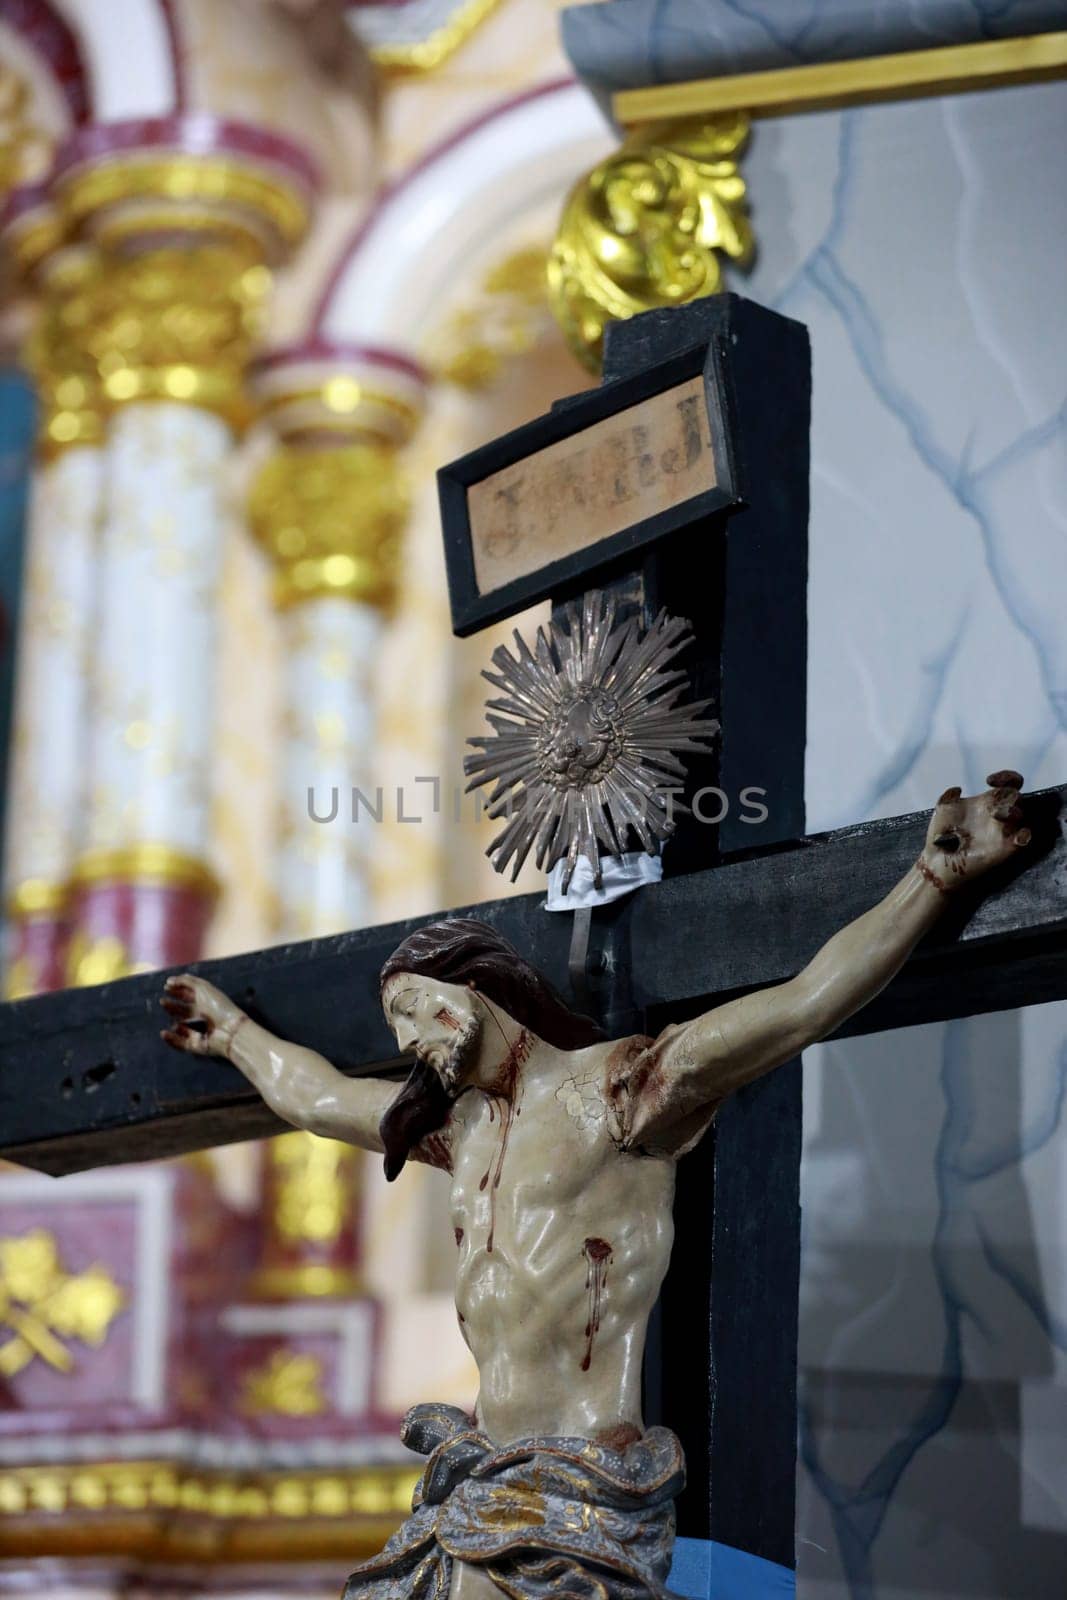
x=150 y=1412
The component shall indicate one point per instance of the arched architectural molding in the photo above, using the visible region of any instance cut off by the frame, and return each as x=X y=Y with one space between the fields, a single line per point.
x=411 y=254
x=38 y=43
x=251 y=61
x=45 y=88
x=131 y=56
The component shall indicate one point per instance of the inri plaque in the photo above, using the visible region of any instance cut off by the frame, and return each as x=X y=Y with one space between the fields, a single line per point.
x=597 y=478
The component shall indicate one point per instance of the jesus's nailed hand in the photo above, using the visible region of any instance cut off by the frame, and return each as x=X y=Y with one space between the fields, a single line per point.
x=205 y=1020
x=967 y=837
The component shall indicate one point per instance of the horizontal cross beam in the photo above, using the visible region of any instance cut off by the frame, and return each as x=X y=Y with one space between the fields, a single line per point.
x=85 y=1080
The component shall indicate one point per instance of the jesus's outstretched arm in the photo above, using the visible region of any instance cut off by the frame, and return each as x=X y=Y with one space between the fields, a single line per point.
x=682 y=1078
x=300 y=1086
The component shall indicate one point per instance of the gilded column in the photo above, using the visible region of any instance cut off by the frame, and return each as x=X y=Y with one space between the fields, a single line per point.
x=46 y=795
x=190 y=215
x=329 y=507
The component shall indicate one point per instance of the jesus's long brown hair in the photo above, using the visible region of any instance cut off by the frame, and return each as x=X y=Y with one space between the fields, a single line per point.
x=465 y=951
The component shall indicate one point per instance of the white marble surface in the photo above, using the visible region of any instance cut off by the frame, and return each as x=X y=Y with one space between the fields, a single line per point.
x=331 y=647
x=47 y=790
x=153 y=682
x=923 y=245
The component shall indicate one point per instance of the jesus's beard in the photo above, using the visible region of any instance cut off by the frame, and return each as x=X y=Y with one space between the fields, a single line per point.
x=423 y=1104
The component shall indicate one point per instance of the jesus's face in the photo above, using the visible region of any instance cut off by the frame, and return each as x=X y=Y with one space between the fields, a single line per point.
x=439 y=1022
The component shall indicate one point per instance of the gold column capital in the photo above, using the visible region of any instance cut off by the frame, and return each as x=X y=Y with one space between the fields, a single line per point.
x=330 y=505
x=191 y=178
x=179 y=323
x=73 y=297
x=67 y=287
x=166 y=324
x=331 y=517
x=189 y=216
x=646 y=228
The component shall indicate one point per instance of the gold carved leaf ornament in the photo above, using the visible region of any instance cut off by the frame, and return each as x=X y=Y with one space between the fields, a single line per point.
x=646 y=228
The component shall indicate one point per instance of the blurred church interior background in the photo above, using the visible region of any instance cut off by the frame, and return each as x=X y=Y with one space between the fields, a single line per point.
x=267 y=265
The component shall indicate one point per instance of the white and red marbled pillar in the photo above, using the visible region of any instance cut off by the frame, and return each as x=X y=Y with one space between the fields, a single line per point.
x=329 y=507
x=46 y=795
x=190 y=214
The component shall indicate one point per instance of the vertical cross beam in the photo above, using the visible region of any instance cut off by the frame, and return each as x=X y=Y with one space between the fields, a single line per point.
x=721 y=1368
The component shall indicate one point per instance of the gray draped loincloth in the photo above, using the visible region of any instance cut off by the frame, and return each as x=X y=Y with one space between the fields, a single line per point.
x=543 y=1517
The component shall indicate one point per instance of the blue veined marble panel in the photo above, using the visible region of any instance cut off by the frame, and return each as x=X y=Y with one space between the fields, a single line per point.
x=923 y=244
x=621 y=44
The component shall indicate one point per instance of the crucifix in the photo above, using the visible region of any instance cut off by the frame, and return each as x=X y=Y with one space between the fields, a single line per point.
x=709 y=522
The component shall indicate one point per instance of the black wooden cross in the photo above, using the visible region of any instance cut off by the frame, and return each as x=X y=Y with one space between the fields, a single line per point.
x=84 y=1080
x=730 y=555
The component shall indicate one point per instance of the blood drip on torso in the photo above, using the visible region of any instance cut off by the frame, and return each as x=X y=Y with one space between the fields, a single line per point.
x=507 y=1093
x=598 y=1254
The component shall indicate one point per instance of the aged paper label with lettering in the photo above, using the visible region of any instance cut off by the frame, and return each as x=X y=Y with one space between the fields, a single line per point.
x=622 y=470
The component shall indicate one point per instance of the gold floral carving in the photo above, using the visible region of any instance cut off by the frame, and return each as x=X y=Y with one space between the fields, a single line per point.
x=506 y=320
x=179 y=324
x=289 y=1384
x=331 y=520
x=647 y=227
x=42 y=1304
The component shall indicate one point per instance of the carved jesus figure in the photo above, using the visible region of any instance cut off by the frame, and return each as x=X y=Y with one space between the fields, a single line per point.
x=561 y=1148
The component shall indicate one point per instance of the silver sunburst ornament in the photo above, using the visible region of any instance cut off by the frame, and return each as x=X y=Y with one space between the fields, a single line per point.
x=586 y=738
